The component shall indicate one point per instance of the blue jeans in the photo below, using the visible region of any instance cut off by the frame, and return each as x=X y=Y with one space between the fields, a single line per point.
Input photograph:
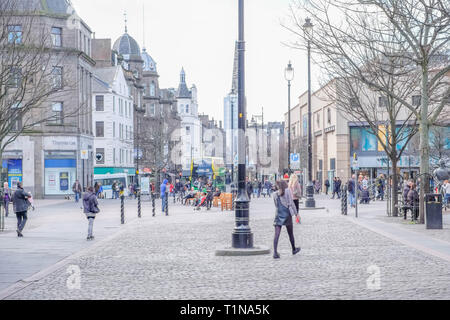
x=21 y=220
x=351 y=197
x=163 y=199
x=77 y=196
x=447 y=198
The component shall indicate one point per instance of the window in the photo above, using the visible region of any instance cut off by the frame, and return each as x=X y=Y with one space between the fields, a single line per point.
x=114 y=129
x=353 y=103
x=16 y=117
x=15 y=34
x=114 y=155
x=187 y=108
x=57 y=77
x=329 y=115
x=416 y=101
x=99 y=103
x=332 y=164
x=152 y=89
x=57 y=113
x=99 y=129
x=382 y=102
x=318 y=120
x=152 y=109
x=15 y=77
x=305 y=125
x=114 y=104
x=56 y=37
x=188 y=131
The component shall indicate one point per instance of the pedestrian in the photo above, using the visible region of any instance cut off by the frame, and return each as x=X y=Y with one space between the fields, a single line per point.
x=446 y=191
x=6 y=197
x=90 y=205
x=334 y=188
x=351 y=191
x=296 y=191
x=285 y=210
x=260 y=187
x=365 y=196
x=327 y=186
x=318 y=186
x=76 y=188
x=21 y=205
x=249 y=188
x=164 y=190
x=413 y=201
x=96 y=187
x=100 y=191
x=255 y=188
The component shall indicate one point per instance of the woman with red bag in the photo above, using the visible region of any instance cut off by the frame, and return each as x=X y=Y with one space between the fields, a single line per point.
x=285 y=211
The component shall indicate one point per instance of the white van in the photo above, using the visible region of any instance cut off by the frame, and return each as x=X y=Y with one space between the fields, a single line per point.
x=107 y=180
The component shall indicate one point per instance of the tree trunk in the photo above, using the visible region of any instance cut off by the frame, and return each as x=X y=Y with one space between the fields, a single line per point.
x=424 y=128
x=394 y=189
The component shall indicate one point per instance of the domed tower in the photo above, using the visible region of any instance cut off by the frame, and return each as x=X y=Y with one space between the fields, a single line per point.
x=129 y=49
x=150 y=77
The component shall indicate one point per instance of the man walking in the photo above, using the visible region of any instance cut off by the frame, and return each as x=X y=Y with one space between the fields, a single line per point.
x=351 y=191
x=76 y=188
x=90 y=205
x=21 y=204
x=327 y=186
x=163 y=194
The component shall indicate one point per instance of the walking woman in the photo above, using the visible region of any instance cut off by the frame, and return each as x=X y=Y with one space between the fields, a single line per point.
x=285 y=211
x=296 y=190
x=91 y=209
x=6 y=197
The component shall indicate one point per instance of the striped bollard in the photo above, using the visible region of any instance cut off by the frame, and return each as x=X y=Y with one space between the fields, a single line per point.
x=139 y=204
x=153 y=204
x=122 y=209
x=167 y=204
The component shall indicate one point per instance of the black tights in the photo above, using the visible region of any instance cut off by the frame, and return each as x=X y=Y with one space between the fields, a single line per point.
x=290 y=230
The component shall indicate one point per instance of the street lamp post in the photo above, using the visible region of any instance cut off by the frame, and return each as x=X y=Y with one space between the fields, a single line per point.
x=289 y=75
x=310 y=202
x=242 y=237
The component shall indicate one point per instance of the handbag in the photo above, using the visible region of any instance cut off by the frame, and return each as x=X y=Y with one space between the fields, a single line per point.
x=95 y=209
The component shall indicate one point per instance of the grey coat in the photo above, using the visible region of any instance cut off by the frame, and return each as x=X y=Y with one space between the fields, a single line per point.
x=20 y=200
x=89 y=202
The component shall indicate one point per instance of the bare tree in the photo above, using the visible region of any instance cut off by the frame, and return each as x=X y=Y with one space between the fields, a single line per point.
x=414 y=34
x=28 y=76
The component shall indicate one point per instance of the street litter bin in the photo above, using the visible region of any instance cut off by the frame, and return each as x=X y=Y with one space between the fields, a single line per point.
x=433 y=211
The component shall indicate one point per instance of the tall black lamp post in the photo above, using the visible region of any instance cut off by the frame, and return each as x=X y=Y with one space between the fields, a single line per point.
x=310 y=202
x=289 y=76
x=242 y=235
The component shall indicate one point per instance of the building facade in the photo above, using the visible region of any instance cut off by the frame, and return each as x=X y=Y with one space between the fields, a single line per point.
x=48 y=159
x=113 y=120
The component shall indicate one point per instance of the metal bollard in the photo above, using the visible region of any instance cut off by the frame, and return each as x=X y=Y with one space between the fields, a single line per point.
x=2 y=217
x=174 y=198
x=167 y=204
x=153 y=204
x=139 y=204
x=345 y=202
x=122 y=209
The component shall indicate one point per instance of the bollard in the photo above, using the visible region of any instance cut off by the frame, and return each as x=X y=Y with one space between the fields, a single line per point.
x=139 y=204
x=153 y=204
x=342 y=204
x=122 y=209
x=345 y=195
x=2 y=217
x=167 y=204
x=174 y=198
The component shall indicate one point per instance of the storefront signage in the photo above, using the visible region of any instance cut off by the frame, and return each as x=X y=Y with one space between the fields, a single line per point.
x=84 y=155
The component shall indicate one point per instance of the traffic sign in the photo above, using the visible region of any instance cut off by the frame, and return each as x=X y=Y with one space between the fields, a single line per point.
x=295 y=161
x=84 y=155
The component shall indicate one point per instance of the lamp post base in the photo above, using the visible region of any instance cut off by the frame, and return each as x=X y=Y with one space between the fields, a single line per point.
x=310 y=202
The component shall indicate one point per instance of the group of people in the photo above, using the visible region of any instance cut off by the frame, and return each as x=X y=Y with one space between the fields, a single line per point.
x=22 y=201
x=257 y=188
x=203 y=198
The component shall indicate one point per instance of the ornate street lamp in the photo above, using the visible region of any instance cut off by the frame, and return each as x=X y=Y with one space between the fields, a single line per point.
x=289 y=76
x=310 y=202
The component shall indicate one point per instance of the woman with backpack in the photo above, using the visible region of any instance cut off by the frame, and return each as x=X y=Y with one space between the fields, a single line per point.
x=285 y=206
x=91 y=209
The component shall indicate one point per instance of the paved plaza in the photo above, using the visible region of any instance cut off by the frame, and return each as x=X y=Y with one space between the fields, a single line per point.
x=372 y=257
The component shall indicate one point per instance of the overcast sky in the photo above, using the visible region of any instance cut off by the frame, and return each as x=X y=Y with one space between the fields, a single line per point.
x=199 y=35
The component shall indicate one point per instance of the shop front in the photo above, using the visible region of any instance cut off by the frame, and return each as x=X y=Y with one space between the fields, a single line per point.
x=60 y=172
x=12 y=172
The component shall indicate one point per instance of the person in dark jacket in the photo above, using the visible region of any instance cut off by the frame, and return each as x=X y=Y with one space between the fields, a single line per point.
x=365 y=196
x=76 y=188
x=6 y=197
x=327 y=186
x=90 y=205
x=249 y=188
x=413 y=201
x=351 y=191
x=21 y=205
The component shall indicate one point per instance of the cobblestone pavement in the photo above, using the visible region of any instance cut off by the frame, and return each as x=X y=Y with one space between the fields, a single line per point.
x=173 y=258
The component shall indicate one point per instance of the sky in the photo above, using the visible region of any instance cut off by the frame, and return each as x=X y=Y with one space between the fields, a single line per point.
x=200 y=36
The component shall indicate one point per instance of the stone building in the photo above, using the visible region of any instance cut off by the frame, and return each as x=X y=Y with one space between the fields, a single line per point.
x=49 y=158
